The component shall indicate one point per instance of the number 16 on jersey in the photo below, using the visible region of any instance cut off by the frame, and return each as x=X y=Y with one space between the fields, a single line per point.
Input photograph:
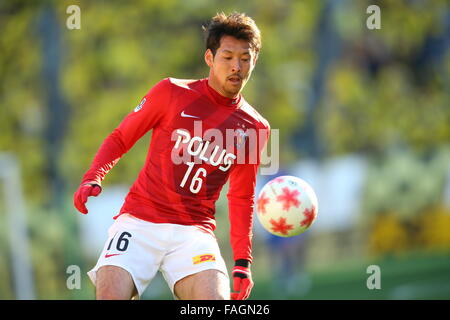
x=196 y=182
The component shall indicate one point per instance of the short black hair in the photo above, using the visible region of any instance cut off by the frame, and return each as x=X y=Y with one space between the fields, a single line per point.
x=237 y=25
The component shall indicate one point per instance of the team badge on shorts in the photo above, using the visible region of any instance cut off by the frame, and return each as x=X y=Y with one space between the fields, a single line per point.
x=203 y=258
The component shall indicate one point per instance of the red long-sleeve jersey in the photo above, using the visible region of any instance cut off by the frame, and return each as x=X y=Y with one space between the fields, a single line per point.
x=199 y=140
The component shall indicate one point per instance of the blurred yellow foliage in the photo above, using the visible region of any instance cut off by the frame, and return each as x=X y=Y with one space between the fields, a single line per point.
x=435 y=229
x=388 y=235
x=430 y=230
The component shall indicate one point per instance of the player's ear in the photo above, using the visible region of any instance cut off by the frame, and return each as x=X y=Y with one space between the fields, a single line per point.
x=209 y=57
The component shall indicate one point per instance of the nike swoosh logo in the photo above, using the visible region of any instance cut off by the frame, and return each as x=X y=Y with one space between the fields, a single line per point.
x=112 y=255
x=184 y=115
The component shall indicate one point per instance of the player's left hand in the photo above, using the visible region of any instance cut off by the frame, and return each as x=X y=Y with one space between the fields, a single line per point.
x=242 y=280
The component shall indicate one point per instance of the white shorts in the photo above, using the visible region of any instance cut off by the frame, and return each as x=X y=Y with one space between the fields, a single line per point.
x=143 y=248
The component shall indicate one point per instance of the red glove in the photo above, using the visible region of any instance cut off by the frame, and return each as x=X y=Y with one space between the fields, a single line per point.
x=81 y=195
x=242 y=280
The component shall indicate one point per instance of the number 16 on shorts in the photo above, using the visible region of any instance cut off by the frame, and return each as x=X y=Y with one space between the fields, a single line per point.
x=121 y=242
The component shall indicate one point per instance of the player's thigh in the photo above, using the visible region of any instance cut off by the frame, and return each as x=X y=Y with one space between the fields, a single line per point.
x=114 y=283
x=133 y=247
x=210 y=284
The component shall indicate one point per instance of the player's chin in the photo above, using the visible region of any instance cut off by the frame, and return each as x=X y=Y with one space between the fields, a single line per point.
x=234 y=87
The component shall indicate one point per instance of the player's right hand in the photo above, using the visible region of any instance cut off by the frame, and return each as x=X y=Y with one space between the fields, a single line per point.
x=81 y=195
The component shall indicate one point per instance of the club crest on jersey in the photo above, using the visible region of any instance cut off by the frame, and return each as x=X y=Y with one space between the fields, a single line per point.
x=139 y=106
x=241 y=138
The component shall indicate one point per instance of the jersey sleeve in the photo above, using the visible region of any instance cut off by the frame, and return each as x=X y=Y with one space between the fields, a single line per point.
x=146 y=116
x=241 y=198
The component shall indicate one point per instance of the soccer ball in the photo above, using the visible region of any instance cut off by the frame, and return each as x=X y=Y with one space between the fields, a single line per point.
x=286 y=206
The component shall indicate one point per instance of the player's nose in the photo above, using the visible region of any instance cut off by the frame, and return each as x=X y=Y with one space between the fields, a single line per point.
x=236 y=66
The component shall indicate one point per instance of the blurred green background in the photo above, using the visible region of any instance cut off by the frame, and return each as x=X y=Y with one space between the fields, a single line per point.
x=363 y=115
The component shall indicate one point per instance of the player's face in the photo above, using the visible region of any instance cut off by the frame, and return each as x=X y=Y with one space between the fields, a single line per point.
x=231 y=66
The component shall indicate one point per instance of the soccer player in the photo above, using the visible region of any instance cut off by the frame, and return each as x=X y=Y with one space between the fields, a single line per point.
x=204 y=133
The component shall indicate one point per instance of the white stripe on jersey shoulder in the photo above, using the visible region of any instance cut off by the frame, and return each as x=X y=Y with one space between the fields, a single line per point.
x=248 y=109
x=183 y=83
